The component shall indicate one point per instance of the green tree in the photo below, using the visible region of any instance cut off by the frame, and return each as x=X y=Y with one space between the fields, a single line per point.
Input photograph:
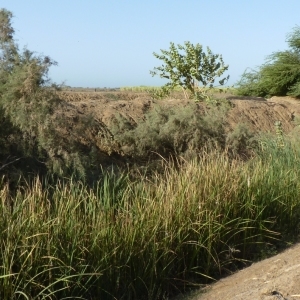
x=278 y=76
x=189 y=67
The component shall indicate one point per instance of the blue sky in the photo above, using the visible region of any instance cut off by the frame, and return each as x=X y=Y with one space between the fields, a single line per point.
x=100 y=43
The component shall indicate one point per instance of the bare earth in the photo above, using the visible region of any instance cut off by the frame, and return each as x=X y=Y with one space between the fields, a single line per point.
x=274 y=278
x=258 y=113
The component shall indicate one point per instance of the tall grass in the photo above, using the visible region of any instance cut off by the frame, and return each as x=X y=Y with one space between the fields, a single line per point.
x=150 y=238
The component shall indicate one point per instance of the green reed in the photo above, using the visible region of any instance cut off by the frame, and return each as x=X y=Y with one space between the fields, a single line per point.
x=150 y=238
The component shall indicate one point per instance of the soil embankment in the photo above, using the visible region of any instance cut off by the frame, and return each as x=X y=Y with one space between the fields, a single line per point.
x=258 y=113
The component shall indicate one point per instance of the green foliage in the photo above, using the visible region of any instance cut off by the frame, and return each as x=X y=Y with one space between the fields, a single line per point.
x=279 y=76
x=250 y=84
x=34 y=117
x=241 y=141
x=159 y=93
x=151 y=238
x=174 y=130
x=183 y=130
x=188 y=66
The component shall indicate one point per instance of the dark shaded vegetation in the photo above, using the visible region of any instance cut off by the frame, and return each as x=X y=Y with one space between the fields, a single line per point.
x=279 y=76
x=35 y=130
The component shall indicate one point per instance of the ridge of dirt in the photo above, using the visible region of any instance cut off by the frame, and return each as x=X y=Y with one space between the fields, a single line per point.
x=258 y=114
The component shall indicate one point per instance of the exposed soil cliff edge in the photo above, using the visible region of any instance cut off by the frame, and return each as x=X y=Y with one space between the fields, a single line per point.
x=258 y=114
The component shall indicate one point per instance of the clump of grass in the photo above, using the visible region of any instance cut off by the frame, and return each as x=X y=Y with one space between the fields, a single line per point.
x=148 y=239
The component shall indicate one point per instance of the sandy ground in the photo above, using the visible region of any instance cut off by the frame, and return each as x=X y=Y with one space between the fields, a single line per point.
x=274 y=278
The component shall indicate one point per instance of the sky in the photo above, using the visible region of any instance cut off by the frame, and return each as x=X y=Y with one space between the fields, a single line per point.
x=110 y=43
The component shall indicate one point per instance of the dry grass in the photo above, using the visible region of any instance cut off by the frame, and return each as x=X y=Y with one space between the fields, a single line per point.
x=73 y=96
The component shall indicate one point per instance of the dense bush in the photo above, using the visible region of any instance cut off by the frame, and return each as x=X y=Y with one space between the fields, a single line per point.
x=33 y=117
x=183 y=130
x=279 y=76
x=176 y=130
x=241 y=141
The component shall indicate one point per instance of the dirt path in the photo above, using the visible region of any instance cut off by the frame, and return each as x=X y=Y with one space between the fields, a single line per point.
x=275 y=278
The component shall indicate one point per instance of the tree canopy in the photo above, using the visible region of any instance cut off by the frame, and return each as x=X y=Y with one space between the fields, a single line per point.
x=189 y=67
x=279 y=75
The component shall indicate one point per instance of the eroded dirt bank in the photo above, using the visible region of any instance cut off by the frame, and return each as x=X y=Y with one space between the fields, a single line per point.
x=259 y=114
